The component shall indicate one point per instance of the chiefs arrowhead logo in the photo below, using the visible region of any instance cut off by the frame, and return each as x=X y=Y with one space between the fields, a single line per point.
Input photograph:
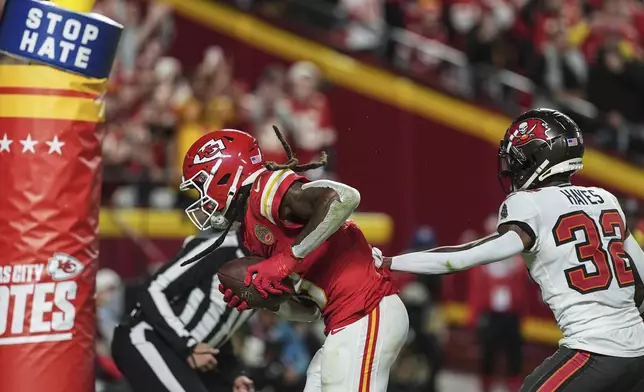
x=62 y=266
x=210 y=151
x=264 y=235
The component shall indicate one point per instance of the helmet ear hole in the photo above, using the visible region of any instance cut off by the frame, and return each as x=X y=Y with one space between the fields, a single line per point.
x=224 y=180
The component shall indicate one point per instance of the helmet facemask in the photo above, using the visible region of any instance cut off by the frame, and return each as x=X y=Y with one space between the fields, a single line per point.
x=520 y=172
x=512 y=163
x=205 y=213
x=202 y=210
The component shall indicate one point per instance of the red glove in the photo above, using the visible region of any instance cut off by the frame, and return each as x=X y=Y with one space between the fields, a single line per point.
x=232 y=300
x=267 y=276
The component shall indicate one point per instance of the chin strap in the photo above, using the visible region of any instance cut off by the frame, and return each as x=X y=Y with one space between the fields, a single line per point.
x=244 y=192
x=568 y=166
x=210 y=249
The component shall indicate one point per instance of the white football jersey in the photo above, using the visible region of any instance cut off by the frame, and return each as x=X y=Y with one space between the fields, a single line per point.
x=579 y=262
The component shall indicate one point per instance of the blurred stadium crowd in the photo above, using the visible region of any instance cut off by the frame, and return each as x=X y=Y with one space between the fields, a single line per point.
x=156 y=108
x=583 y=56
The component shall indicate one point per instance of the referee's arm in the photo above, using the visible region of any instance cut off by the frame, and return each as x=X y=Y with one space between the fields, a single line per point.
x=170 y=281
x=158 y=311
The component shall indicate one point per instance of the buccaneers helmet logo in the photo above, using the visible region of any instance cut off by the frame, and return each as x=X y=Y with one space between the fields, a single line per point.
x=526 y=131
x=210 y=151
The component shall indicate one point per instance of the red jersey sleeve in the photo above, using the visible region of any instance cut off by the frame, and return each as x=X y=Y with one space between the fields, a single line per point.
x=275 y=187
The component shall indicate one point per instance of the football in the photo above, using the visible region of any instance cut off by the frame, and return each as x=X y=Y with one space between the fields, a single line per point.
x=232 y=275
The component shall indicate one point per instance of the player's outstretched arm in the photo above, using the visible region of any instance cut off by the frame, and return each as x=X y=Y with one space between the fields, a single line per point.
x=324 y=205
x=510 y=240
x=636 y=254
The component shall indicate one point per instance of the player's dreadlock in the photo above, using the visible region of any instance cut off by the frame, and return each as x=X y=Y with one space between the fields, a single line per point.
x=292 y=162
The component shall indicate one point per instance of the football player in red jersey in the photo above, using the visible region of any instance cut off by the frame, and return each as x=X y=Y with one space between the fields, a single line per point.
x=301 y=228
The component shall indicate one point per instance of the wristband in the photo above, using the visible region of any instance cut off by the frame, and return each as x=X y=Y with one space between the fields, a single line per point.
x=286 y=261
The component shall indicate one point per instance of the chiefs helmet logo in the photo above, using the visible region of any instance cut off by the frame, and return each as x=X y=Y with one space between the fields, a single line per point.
x=210 y=151
x=62 y=266
x=529 y=130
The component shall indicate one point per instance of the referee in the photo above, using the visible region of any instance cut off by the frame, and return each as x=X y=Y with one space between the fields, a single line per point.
x=177 y=337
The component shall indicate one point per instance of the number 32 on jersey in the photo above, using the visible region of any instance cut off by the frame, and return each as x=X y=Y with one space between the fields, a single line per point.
x=568 y=229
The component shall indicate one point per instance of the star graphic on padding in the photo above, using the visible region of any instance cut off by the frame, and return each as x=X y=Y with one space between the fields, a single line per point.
x=55 y=146
x=5 y=143
x=28 y=144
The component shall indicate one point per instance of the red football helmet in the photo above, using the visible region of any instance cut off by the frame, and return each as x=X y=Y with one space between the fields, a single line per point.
x=217 y=166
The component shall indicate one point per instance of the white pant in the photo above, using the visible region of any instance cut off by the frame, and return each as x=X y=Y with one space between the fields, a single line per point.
x=358 y=357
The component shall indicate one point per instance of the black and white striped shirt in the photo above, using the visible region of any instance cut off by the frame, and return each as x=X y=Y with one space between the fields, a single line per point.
x=183 y=303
